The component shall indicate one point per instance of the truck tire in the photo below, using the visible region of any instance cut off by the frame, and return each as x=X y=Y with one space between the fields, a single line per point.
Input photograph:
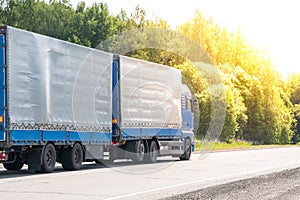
x=48 y=158
x=139 y=151
x=71 y=159
x=16 y=165
x=188 y=150
x=152 y=153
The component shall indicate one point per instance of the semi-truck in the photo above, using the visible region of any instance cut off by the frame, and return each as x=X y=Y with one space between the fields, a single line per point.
x=66 y=103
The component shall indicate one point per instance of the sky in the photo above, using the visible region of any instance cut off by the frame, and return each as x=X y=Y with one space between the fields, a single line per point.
x=272 y=26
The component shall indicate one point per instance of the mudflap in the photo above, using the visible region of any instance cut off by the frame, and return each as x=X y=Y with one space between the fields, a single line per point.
x=34 y=160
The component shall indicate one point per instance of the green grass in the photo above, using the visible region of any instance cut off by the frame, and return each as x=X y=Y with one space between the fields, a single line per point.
x=236 y=145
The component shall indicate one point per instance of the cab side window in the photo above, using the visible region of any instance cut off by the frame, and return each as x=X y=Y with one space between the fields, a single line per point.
x=189 y=105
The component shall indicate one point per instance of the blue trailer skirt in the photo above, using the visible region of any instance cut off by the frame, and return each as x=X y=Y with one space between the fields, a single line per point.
x=149 y=133
x=38 y=137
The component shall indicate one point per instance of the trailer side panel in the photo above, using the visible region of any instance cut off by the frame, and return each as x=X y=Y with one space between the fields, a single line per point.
x=56 y=85
x=150 y=95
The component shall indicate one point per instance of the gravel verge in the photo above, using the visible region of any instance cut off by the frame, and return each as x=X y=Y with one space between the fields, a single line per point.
x=275 y=186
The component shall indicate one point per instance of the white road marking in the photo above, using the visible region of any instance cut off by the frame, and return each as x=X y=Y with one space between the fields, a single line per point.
x=246 y=174
x=58 y=174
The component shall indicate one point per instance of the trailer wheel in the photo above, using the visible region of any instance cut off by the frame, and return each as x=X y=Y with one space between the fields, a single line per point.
x=71 y=159
x=139 y=151
x=48 y=158
x=188 y=150
x=16 y=165
x=152 y=154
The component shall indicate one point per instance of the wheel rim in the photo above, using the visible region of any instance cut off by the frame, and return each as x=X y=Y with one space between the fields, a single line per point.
x=140 y=151
x=49 y=158
x=153 y=152
x=77 y=157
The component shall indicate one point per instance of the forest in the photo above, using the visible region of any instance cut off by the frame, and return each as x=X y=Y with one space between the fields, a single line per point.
x=261 y=106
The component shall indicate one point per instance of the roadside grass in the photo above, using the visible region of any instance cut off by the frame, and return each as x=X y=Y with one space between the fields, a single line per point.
x=235 y=145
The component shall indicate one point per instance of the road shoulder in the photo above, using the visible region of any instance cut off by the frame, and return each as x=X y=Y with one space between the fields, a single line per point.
x=276 y=186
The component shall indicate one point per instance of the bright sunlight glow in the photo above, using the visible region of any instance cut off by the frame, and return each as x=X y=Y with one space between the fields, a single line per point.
x=272 y=26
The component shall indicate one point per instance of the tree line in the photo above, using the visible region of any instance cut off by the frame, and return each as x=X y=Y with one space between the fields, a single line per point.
x=260 y=105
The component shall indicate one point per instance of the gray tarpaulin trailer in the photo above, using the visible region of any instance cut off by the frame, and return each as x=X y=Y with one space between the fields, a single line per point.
x=68 y=103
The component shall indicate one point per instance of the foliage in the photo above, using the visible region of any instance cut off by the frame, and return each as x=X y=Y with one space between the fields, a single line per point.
x=257 y=107
x=260 y=107
x=294 y=89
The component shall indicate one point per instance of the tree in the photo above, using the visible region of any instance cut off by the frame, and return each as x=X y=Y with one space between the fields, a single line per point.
x=294 y=89
x=264 y=116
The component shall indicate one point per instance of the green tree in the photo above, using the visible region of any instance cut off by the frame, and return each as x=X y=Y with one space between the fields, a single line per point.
x=294 y=90
x=266 y=115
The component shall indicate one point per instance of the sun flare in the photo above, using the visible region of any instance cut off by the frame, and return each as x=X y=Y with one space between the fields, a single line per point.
x=270 y=26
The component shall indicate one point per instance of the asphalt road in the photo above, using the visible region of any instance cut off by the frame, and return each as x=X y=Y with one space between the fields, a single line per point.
x=168 y=177
x=284 y=185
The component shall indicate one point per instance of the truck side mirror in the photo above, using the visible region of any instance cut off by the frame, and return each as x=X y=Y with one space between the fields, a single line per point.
x=196 y=106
